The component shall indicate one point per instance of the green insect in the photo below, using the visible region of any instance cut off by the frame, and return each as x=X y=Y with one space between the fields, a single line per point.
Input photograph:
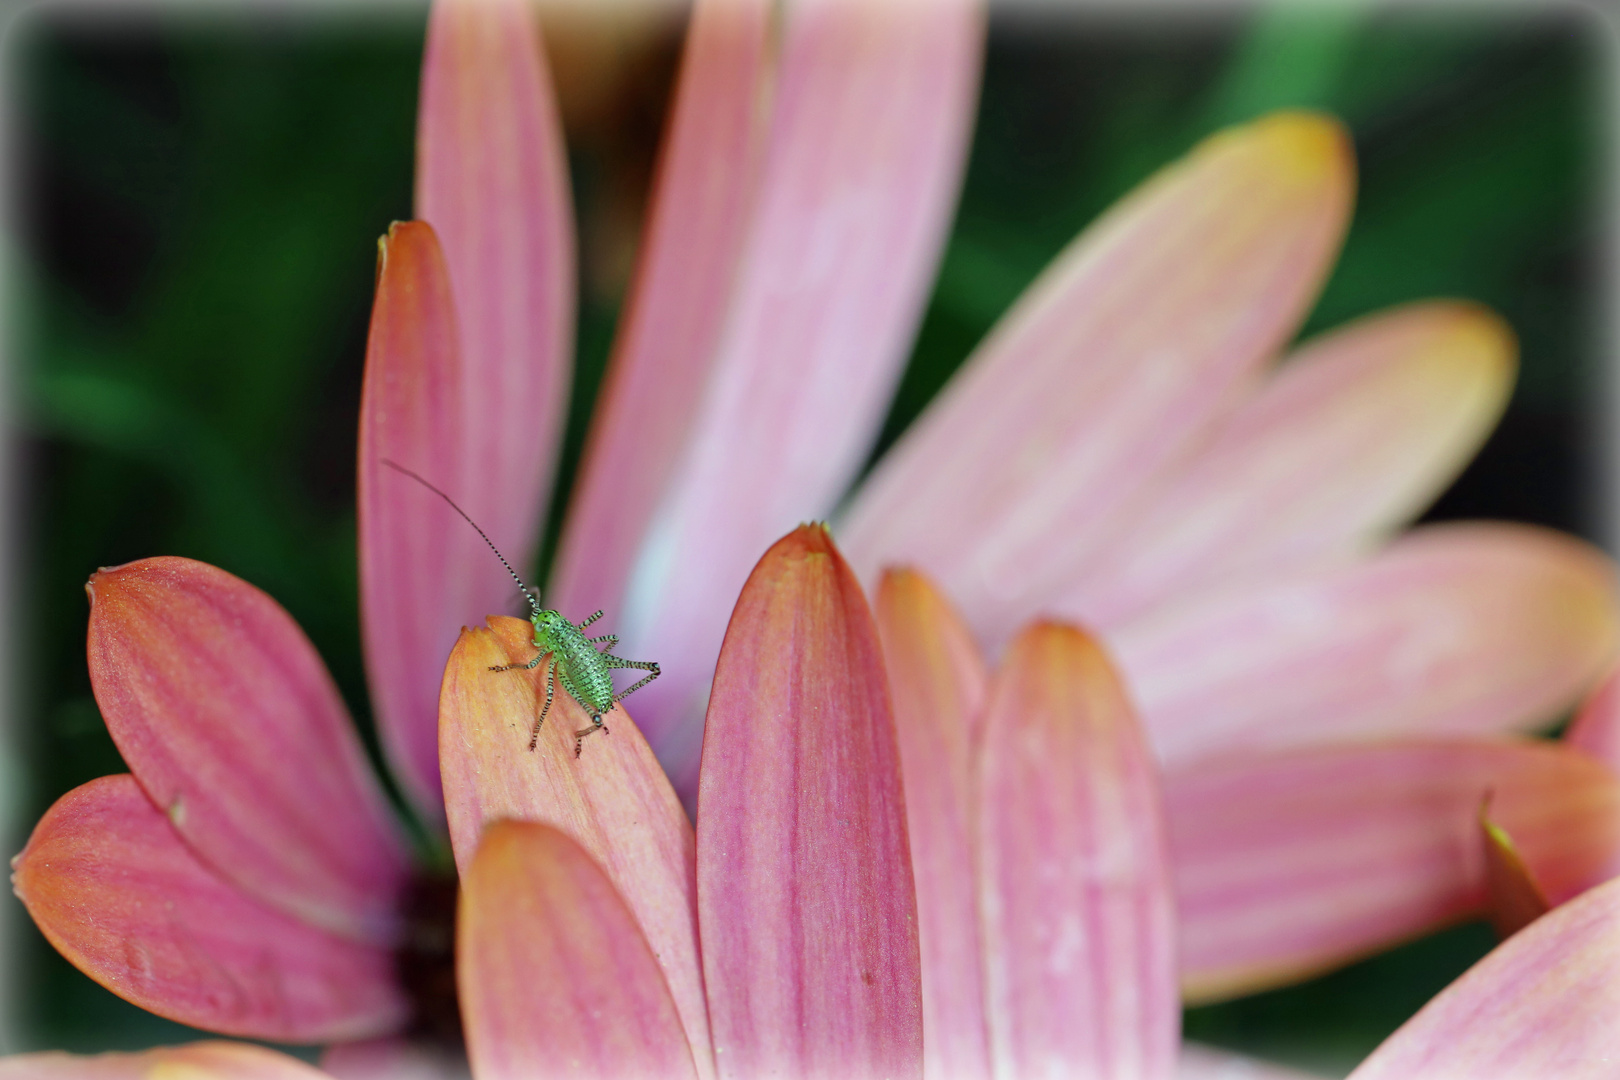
x=585 y=671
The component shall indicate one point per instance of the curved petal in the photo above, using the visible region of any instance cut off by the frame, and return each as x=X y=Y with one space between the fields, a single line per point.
x=805 y=902
x=194 y=1061
x=1207 y=1063
x=417 y=558
x=682 y=291
x=538 y=916
x=939 y=679
x=1542 y=1004
x=1293 y=863
x=394 y=1059
x=1109 y=369
x=1345 y=441
x=1596 y=728
x=492 y=181
x=112 y=887
x=1453 y=629
x=1514 y=898
x=867 y=134
x=1074 y=884
x=613 y=799
x=233 y=726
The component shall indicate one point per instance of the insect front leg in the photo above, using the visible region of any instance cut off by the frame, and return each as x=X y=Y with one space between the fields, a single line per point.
x=611 y=639
x=530 y=666
x=551 y=690
x=639 y=665
x=587 y=622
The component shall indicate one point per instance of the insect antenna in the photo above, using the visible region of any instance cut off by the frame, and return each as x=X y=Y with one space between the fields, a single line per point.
x=397 y=467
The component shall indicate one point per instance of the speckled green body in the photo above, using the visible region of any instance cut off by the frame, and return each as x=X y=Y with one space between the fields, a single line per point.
x=582 y=670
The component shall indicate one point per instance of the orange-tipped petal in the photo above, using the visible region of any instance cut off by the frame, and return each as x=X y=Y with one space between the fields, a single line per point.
x=235 y=729
x=1292 y=863
x=195 y=1061
x=1453 y=629
x=1080 y=968
x=417 y=558
x=1514 y=900
x=1207 y=1063
x=1347 y=440
x=492 y=181
x=681 y=294
x=555 y=976
x=868 y=128
x=613 y=799
x=1110 y=369
x=1596 y=728
x=1543 y=1004
x=938 y=678
x=111 y=885
x=805 y=901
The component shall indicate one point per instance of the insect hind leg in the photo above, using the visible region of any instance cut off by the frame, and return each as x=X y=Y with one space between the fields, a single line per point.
x=639 y=665
x=596 y=725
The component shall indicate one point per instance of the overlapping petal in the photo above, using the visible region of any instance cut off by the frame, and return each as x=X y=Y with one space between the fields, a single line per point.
x=1109 y=369
x=1596 y=728
x=1348 y=439
x=492 y=181
x=194 y=1061
x=1291 y=863
x=613 y=800
x=233 y=727
x=1080 y=968
x=541 y=930
x=867 y=130
x=939 y=682
x=415 y=554
x=1542 y=1005
x=805 y=900
x=1466 y=628
x=113 y=888
x=1207 y=1063
x=677 y=306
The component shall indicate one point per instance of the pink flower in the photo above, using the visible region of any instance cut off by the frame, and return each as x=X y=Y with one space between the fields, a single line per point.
x=213 y=1060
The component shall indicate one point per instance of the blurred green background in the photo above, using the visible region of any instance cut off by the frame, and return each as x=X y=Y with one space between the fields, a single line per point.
x=198 y=197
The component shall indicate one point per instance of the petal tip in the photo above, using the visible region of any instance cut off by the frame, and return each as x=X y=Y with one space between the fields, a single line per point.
x=1312 y=147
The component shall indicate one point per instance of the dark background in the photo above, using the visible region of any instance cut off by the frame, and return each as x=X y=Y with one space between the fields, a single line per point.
x=196 y=207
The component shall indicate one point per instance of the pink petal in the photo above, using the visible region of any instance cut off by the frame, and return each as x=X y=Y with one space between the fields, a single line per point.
x=555 y=977
x=417 y=559
x=682 y=292
x=939 y=679
x=1453 y=629
x=194 y=1061
x=613 y=800
x=1542 y=1005
x=868 y=128
x=1207 y=1063
x=1080 y=969
x=234 y=728
x=805 y=900
x=1293 y=863
x=1112 y=366
x=1596 y=728
x=1346 y=441
x=393 y=1059
x=113 y=888
x=492 y=180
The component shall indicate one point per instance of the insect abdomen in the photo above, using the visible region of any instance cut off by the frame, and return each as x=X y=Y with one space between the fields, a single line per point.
x=583 y=672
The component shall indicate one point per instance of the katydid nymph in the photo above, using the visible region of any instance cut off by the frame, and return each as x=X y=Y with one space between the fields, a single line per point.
x=585 y=671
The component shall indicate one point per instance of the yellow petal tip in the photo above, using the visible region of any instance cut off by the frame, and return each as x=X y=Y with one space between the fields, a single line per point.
x=1304 y=148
